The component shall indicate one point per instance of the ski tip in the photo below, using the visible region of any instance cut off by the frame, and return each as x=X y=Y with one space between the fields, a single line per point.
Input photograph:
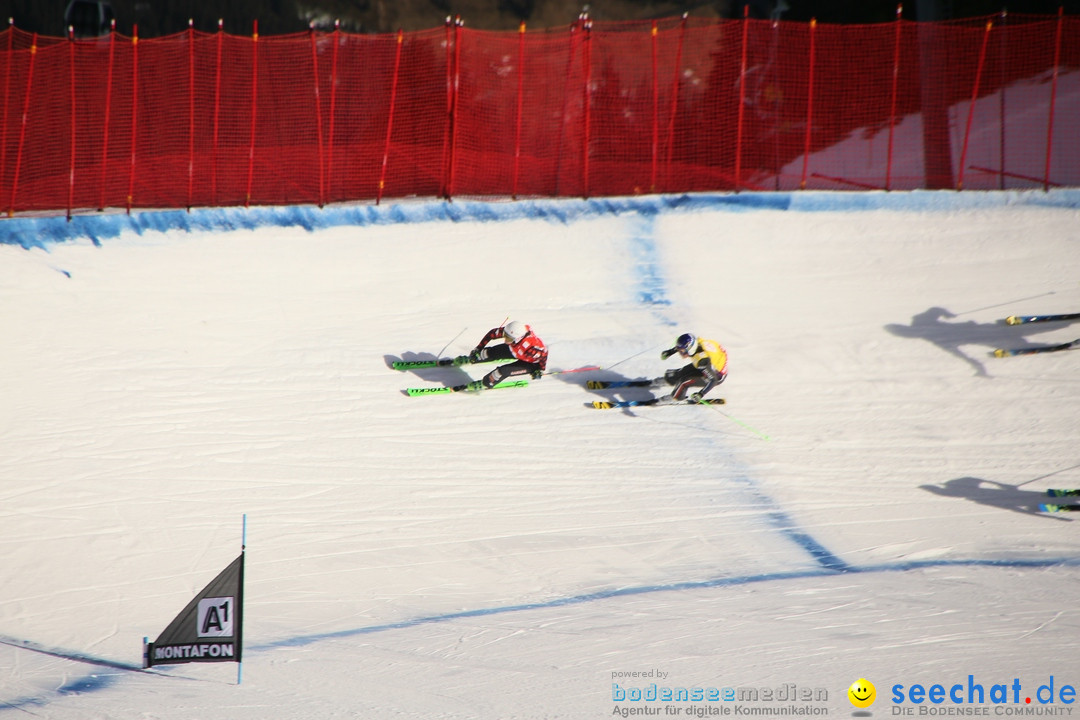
x=596 y=384
x=432 y=363
x=1013 y=320
x=412 y=364
x=1001 y=353
x=416 y=392
x=600 y=404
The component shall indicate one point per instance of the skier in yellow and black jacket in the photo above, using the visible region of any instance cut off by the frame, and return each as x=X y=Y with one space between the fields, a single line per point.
x=707 y=367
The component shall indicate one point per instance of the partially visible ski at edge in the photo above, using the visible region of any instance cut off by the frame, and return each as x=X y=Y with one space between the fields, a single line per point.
x=1059 y=508
x=1037 y=349
x=1024 y=319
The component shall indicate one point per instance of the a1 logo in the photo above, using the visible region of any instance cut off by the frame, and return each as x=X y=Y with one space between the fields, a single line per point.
x=215 y=617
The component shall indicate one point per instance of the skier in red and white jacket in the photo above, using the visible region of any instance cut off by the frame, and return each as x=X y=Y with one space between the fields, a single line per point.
x=520 y=344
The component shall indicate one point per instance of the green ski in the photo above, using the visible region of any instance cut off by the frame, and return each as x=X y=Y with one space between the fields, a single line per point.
x=415 y=364
x=415 y=392
x=440 y=362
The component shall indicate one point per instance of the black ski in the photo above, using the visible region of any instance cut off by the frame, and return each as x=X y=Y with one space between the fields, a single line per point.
x=606 y=385
x=615 y=404
x=1024 y=319
x=1037 y=349
x=1059 y=508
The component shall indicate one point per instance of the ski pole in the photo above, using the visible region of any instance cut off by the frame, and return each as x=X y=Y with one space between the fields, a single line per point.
x=737 y=421
x=451 y=341
x=1047 y=475
x=631 y=357
x=584 y=368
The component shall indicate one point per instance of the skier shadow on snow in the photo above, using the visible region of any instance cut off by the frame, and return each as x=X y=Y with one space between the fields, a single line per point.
x=995 y=494
x=932 y=327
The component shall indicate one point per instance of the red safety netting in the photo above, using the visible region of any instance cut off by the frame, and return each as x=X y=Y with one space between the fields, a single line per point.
x=593 y=109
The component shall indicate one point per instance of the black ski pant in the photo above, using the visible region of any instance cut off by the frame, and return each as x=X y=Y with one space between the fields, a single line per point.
x=686 y=377
x=518 y=367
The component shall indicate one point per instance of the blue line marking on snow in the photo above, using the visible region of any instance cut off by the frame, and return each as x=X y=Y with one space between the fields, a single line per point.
x=652 y=291
x=783 y=522
x=787 y=526
x=40 y=232
x=301 y=640
x=21 y=703
x=87 y=684
x=652 y=288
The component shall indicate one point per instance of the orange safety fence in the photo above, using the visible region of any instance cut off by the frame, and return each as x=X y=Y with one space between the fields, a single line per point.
x=592 y=109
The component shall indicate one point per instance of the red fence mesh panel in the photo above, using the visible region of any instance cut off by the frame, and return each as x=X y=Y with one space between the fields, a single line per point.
x=592 y=109
x=415 y=154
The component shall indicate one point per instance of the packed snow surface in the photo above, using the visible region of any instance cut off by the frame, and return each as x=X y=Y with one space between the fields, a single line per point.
x=865 y=504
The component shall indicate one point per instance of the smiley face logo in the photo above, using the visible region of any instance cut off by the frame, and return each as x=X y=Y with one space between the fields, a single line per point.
x=862 y=693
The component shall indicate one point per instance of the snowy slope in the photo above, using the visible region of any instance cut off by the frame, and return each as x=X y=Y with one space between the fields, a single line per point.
x=864 y=505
